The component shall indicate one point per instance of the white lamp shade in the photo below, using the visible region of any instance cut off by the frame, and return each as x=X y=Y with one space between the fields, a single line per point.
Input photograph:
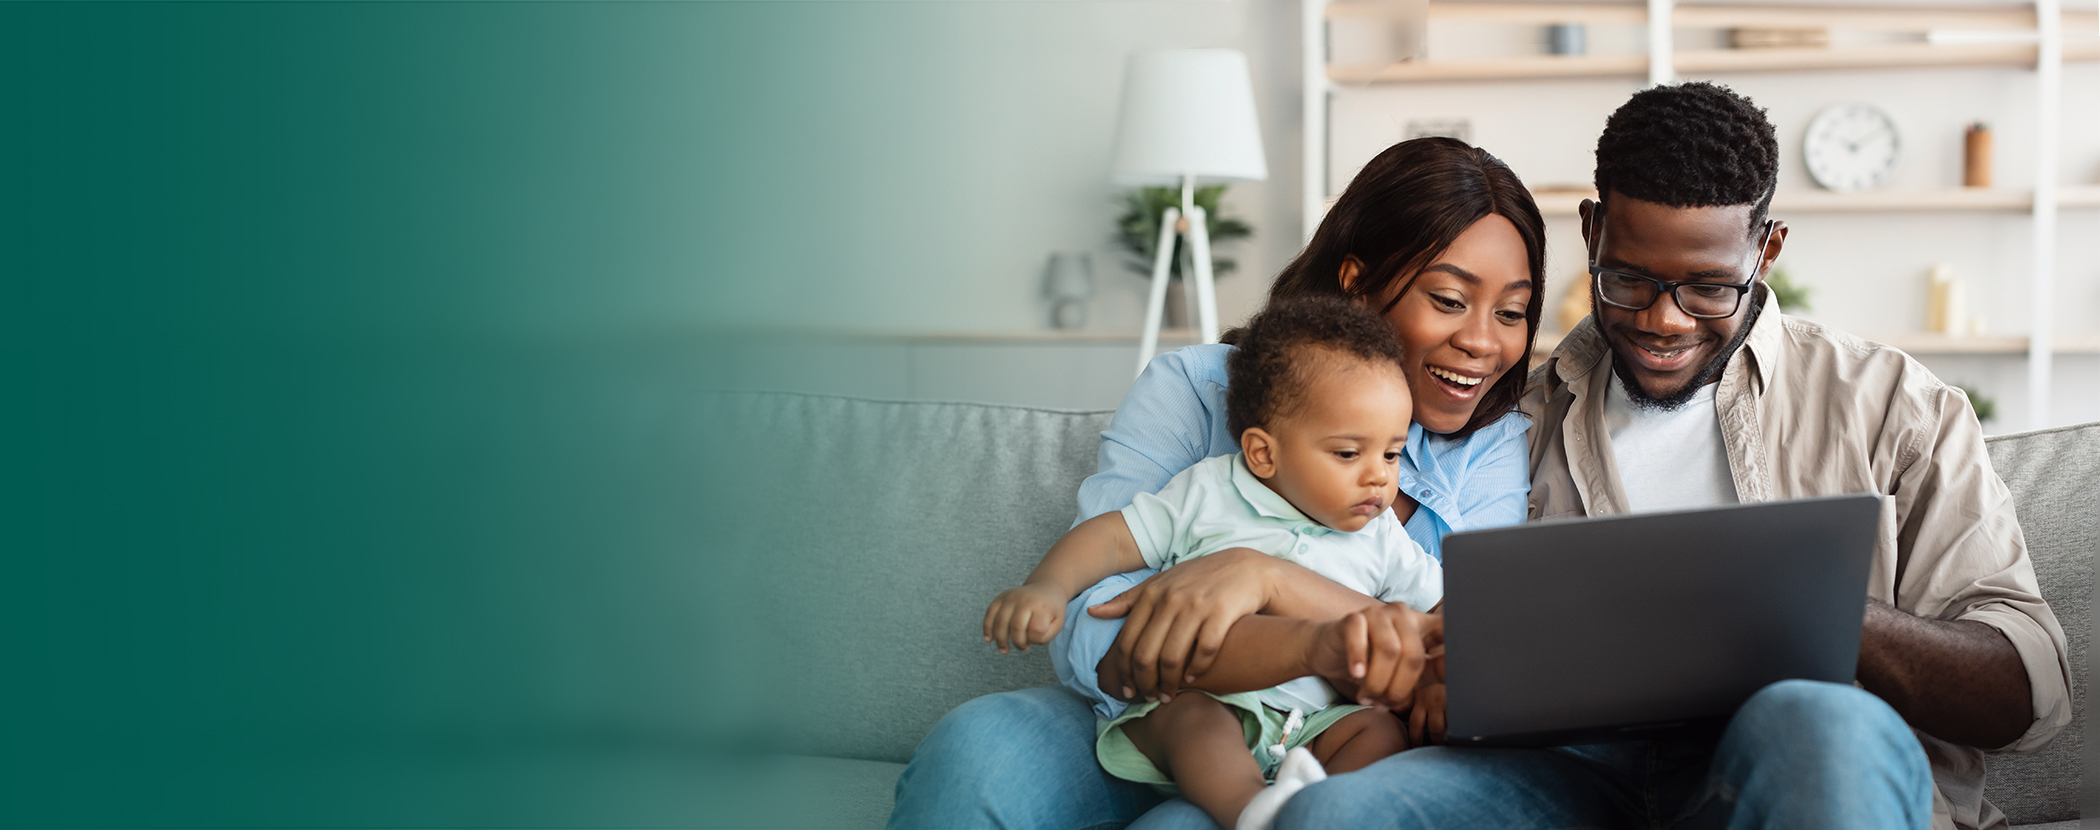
x=1188 y=112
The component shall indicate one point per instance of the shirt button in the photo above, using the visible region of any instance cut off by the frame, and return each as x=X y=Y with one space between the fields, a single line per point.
x=1425 y=494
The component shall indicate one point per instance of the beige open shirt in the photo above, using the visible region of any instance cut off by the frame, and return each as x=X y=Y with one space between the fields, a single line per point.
x=1809 y=411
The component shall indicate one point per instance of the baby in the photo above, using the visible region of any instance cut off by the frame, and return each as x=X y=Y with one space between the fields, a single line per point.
x=1321 y=407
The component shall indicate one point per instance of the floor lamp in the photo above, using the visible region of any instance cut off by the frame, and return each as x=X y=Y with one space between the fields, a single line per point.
x=1188 y=115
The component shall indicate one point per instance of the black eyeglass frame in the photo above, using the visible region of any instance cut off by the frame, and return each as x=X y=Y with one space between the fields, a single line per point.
x=1661 y=287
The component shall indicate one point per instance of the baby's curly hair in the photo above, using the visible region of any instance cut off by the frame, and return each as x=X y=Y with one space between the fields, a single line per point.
x=1690 y=145
x=1267 y=376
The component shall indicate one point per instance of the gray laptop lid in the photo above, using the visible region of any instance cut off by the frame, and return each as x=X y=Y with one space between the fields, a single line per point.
x=1588 y=630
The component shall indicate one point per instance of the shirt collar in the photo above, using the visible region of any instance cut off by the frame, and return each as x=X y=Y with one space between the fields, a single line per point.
x=1265 y=501
x=1580 y=353
x=1767 y=340
x=1417 y=449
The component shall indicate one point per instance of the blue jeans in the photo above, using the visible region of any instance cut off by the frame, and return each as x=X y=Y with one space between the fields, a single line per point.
x=1798 y=754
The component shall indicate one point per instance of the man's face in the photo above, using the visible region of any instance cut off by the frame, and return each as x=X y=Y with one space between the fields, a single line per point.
x=1661 y=350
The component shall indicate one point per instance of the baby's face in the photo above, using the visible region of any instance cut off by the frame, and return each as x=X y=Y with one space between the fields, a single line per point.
x=1337 y=455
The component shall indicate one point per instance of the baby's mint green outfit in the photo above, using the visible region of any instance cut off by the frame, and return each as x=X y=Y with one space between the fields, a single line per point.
x=1219 y=504
x=1262 y=724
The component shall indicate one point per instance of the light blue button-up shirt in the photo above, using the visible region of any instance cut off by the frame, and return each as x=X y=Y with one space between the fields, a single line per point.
x=1174 y=416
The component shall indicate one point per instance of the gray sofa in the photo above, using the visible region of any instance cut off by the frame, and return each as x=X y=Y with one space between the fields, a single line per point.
x=932 y=508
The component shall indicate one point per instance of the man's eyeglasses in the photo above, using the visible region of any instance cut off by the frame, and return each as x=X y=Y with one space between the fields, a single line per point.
x=1704 y=300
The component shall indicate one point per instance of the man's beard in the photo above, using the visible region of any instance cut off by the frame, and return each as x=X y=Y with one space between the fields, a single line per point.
x=1676 y=399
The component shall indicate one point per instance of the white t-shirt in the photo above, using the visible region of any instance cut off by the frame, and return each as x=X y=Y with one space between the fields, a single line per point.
x=1669 y=459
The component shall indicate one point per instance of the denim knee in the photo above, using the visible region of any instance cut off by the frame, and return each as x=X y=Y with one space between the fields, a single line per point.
x=1805 y=754
x=1840 y=721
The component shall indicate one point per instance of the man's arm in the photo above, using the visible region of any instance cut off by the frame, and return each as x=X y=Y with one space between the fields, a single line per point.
x=1965 y=648
x=1958 y=680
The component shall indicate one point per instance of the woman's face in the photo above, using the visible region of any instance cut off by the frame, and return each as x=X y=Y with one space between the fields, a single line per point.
x=1461 y=322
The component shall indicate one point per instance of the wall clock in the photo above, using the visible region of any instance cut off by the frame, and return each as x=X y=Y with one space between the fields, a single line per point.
x=1850 y=147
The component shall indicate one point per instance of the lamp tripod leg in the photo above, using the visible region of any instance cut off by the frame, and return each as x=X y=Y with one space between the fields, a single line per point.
x=1206 y=285
x=1156 y=305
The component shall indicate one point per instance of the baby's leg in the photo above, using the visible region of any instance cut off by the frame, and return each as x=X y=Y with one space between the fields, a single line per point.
x=1199 y=743
x=1358 y=740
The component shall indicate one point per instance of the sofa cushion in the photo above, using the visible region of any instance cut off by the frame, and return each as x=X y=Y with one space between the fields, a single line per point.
x=2054 y=476
x=870 y=627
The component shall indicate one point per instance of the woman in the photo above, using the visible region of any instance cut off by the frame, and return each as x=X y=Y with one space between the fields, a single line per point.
x=1447 y=244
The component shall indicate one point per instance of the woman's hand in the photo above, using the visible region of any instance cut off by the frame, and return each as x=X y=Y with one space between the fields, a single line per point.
x=1177 y=619
x=1380 y=654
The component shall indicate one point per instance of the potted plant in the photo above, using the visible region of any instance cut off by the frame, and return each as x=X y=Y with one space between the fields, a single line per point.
x=1137 y=232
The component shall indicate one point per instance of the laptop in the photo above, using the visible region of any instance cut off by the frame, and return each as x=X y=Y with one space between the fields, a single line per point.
x=1648 y=625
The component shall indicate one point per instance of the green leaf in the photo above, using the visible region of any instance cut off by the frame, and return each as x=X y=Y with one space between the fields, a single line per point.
x=1137 y=229
x=1792 y=296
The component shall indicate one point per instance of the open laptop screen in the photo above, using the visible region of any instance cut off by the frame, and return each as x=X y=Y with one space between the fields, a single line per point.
x=1588 y=630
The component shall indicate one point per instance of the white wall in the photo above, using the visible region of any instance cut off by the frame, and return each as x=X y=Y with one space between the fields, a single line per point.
x=959 y=144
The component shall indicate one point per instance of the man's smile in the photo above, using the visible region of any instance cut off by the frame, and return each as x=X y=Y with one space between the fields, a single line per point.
x=1661 y=358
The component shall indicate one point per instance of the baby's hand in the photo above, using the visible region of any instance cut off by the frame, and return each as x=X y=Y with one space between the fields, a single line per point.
x=1382 y=651
x=1024 y=615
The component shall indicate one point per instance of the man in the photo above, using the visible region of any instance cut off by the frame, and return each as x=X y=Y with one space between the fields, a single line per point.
x=1686 y=387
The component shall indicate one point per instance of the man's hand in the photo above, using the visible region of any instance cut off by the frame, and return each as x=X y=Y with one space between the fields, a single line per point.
x=1425 y=725
x=1378 y=655
x=1024 y=615
x=1425 y=722
x=1177 y=620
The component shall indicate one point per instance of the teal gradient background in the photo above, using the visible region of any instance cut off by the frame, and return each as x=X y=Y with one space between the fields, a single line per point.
x=344 y=343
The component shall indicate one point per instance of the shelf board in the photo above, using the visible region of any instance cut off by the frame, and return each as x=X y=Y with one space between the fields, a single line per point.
x=1528 y=66
x=1168 y=338
x=1913 y=19
x=1538 y=13
x=1987 y=344
x=1916 y=19
x=1939 y=344
x=1875 y=56
x=1705 y=61
x=1173 y=338
x=2078 y=196
x=1881 y=201
x=2078 y=42
x=1974 y=199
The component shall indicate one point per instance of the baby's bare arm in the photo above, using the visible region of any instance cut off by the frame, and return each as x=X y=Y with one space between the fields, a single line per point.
x=1097 y=549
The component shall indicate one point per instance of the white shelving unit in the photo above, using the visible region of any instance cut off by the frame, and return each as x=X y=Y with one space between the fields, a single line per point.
x=2008 y=36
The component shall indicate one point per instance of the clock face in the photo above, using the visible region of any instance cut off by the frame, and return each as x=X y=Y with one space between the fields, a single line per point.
x=1850 y=147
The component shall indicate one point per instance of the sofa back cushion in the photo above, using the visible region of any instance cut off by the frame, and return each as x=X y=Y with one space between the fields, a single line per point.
x=2054 y=476
x=876 y=533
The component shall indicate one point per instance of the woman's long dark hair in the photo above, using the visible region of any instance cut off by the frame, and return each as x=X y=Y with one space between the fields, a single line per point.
x=1399 y=215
